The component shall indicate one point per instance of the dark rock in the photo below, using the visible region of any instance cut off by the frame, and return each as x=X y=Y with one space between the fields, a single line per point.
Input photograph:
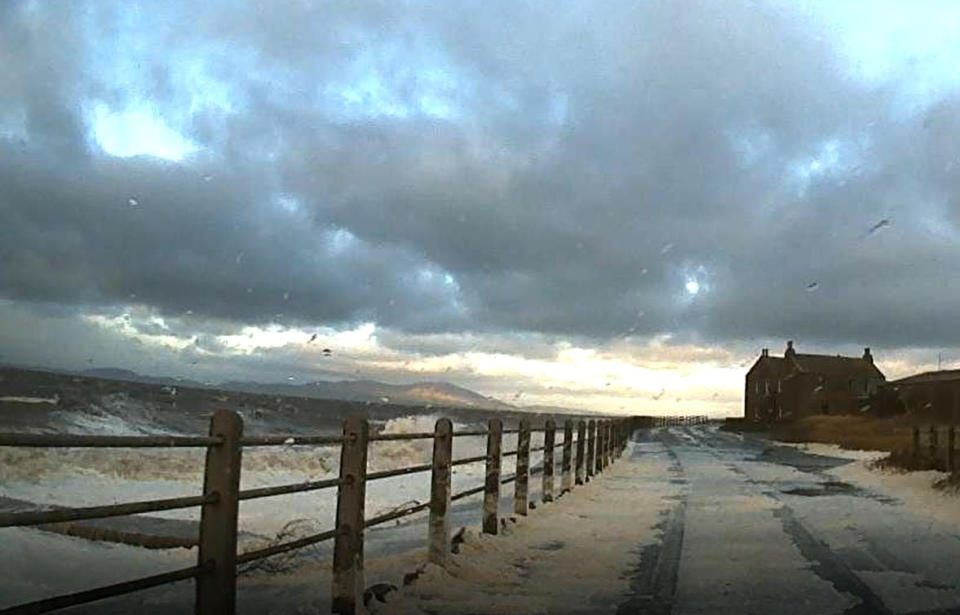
x=410 y=577
x=378 y=591
x=457 y=540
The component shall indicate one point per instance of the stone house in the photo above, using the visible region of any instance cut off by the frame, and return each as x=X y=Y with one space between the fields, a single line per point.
x=797 y=385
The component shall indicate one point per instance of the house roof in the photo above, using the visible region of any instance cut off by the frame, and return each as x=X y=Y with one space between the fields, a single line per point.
x=794 y=364
x=945 y=375
x=836 y=365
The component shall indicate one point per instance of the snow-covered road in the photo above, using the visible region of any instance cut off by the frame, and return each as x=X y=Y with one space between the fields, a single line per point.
x=701 y=521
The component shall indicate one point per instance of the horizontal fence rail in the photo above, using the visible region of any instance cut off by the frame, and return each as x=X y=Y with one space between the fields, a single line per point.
x=61 y=515
x=72 y=441
x=586 y=448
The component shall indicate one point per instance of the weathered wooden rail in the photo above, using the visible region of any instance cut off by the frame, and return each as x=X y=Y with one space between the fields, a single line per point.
x=598 y=443
x=934 y=447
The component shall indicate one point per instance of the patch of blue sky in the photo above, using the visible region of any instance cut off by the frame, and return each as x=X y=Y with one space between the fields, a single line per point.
x=751 y=145
x=13 y=124
x=834 y=159
x=138 y=129
x=388 y=80
x=146 y=101
x=341 y=240
x=913 y=45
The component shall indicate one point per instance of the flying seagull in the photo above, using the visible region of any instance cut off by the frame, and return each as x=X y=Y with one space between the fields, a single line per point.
x=879 y=225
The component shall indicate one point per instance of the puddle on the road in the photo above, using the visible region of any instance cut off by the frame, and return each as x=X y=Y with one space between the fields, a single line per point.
x=551 y=545
x=803 y=461
x=835 y=487
x=830 y=487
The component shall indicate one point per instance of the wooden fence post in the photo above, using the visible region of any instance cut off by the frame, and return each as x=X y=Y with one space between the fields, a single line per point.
x=951 y=442
x=548 y=438
x=521 y=499
x=606 y=444
x=933 y=447
x=618 y=441
x=438 y=540
x=916 y=446
x=581 y=434
x=598 y=448
x=613 y=441
x=566 y=465
x=491 y=490
x=602 y=438
x=591 y=445
x=348 y=577
x=609 y=457
x=216 y=590
x=617 y=437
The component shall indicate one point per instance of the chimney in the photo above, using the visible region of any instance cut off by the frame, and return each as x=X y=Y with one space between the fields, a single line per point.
x=790 y=352
x=866 y=354
x=764 y=352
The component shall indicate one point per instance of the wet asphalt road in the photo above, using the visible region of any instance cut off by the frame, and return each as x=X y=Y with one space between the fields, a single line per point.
x=757 y=528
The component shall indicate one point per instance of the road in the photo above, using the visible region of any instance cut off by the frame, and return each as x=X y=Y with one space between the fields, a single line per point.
x=758 y=528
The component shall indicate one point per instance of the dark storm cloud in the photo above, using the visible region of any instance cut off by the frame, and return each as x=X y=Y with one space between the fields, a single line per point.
x=549 y=168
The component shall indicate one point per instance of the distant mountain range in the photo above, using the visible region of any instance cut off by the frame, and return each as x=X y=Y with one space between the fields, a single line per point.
x=417 y=394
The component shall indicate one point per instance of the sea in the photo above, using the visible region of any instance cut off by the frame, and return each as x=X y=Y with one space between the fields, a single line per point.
x=38 y=564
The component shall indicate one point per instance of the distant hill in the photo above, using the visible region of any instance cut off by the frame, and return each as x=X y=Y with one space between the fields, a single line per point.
x=417 y=394
x=438 y=394
x=116 y=373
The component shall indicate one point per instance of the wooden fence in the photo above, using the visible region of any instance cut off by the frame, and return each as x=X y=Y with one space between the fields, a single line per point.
x=934 y=447
x=598 y=443
x=667 y=421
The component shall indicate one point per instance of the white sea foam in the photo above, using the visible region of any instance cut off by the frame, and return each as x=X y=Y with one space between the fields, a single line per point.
x=29 y=400
x=91 y=476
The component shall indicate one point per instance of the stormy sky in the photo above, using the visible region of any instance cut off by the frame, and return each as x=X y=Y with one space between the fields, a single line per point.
x=610 y=205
